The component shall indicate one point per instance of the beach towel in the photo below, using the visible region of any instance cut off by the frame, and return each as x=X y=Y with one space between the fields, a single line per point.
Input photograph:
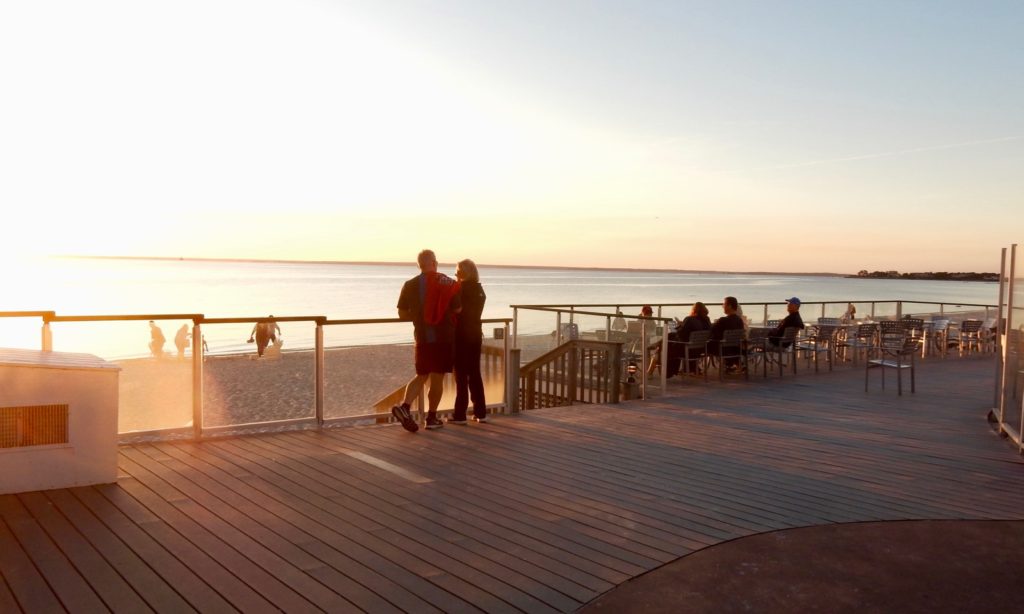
x=440 y=290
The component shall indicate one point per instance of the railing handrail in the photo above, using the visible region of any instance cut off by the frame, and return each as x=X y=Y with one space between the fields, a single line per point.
x=195 y=317
x=399 y=320
x=25 y=314
x=568 y=346
x=573 y=306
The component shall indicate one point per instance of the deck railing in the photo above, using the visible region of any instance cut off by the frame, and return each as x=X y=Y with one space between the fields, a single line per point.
x=491 y=358
x=574 y=372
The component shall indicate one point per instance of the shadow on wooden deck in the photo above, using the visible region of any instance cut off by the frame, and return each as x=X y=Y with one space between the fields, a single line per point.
x=538 y=512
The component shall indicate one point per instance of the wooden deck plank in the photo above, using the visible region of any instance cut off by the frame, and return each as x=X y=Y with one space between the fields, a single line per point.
x=223 y=580
x=280 y=583
x=301 y=571
x=419 y=454
x=642 y=537
x=367 y=531
x=520 y=518
x=408 y=591
x=175 y=573
x=559 y=576
x=103 y=579
x=535 y=512
x=454 y=516
x=403 y=528
x=8 y=603
x=133 y=568
x=26 y=584
x=66 y=582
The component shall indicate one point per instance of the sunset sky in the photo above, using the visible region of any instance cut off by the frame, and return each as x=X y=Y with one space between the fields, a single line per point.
x=727 y=135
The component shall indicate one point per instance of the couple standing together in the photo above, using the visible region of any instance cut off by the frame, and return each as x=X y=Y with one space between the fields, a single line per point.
x=445 y=313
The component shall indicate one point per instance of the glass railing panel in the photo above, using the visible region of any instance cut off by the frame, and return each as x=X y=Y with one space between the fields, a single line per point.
x=242 y=387
x=155 y=383
x=362 y=378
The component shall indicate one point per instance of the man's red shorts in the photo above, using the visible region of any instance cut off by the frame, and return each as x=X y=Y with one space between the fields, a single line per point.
x=434 y=358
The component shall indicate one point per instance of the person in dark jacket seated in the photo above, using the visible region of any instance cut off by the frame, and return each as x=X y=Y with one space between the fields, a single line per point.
x=729 y=321
x=792 y=319
x=697 y=320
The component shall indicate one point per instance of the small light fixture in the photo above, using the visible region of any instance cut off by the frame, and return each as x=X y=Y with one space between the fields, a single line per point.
x=631 y=369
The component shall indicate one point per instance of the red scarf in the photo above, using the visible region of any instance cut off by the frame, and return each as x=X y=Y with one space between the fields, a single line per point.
x=440 y=290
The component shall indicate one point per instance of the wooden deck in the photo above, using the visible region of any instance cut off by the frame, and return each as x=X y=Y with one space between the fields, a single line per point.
x=537 y=512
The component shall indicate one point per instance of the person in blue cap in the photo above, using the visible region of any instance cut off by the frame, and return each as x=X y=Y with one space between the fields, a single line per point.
x=792 y=319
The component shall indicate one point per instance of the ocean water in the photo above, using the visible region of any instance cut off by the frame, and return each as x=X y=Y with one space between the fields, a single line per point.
x=230 y=289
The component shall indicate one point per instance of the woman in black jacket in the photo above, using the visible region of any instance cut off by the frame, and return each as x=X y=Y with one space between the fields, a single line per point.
x=697 y=320
x=468 y=340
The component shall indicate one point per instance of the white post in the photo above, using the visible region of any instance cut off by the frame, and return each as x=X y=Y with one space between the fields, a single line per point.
x=197 y=380
x=319 y=373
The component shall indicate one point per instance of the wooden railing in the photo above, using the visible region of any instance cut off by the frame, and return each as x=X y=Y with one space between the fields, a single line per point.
x=577 y=371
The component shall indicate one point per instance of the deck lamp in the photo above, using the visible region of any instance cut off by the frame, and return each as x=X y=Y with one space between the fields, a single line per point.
x=631 y=369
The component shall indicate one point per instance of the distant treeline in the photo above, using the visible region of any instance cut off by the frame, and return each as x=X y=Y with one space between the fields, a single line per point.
x=942 y=275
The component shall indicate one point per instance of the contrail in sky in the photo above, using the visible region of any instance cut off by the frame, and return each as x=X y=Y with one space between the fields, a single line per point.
x=901 y=152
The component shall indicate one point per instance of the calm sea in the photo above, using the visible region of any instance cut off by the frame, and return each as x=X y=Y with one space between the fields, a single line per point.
x=359 y=291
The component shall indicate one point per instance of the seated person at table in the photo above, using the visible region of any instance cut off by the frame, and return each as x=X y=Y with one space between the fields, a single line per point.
x=792 y=319
x=697 y=320
x=728 y=322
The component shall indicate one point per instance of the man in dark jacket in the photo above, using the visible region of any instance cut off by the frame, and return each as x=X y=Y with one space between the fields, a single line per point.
x=731 y=320
x=792 y=319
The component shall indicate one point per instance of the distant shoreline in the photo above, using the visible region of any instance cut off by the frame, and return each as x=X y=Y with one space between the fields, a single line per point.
x=494 y=266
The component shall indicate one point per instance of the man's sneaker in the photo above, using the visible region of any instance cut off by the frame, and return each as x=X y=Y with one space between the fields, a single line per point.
x=480 y=419
x=434 y=423
x=403 y=415
x=459 y=421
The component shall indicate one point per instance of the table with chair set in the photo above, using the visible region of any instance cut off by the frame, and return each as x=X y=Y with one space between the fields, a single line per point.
x=883 y=344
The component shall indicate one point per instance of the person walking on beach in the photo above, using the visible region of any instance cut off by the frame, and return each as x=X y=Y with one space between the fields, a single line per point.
x=430 y=300
x=181 y=340
x=156 y=340
x=469 y=336
x=264 y=332
x=792 y=319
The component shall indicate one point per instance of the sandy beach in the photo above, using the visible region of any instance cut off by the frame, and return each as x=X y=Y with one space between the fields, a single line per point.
x=240 y=389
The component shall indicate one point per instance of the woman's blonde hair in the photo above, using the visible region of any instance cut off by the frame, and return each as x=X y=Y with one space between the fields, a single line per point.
x=468 y=268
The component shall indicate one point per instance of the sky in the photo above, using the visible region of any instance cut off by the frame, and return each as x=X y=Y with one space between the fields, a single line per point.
x=716 y=135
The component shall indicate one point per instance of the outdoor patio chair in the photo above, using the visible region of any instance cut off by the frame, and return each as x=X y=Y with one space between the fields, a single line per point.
x=783 y=352
x=731 y=346
x=823 y=339
x=969 y=336
x=829 y=321
x=893 y=354
x=915 y=329
x=757 y=337
x=695 y=349
x=859 y=341
x=940 y=337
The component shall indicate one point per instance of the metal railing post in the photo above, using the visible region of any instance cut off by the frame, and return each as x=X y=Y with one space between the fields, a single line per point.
x=197 y=380
x=47 y=337
x=558 y=327
x=512 y=380
x=515 y=326
x=505 y=358
x=319 y=373
x=1000 y=326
